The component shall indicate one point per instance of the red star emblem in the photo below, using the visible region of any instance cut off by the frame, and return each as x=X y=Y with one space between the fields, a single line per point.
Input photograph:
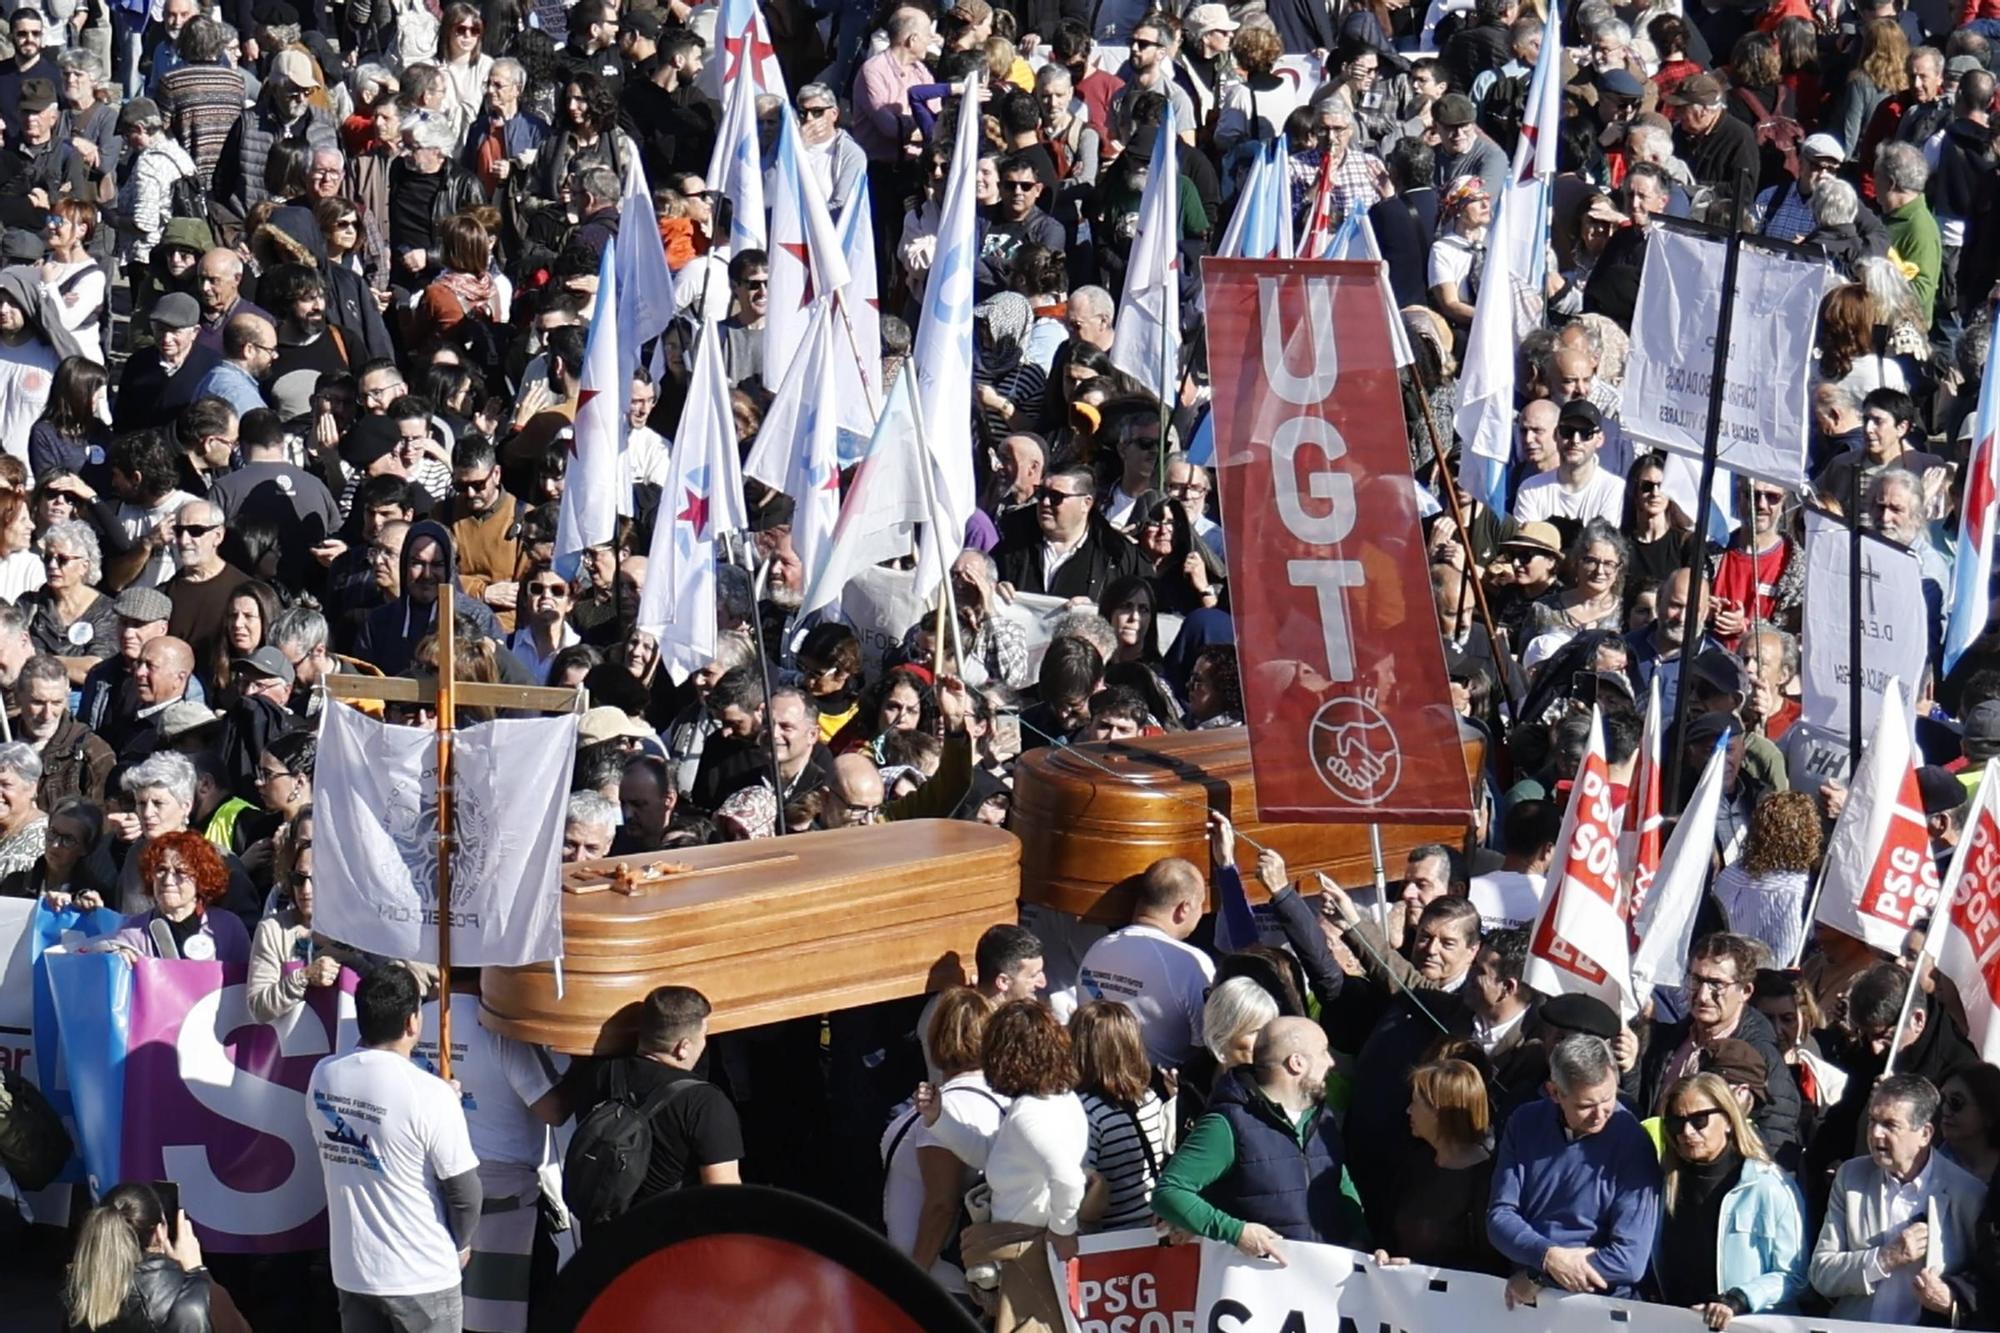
x=760 y=51
x=1534 y=137
x=696 y=512
x=1979 y=495
x=798 y=251
x=832 y=482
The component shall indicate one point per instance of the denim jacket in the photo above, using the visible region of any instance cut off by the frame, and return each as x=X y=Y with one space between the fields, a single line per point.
x=1761 y=1246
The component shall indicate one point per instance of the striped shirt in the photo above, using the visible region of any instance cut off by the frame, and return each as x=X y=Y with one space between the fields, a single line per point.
x=1117 y=1154
x=1770 y=908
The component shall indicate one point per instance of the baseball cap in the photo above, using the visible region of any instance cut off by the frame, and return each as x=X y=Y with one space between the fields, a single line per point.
x=642 y=23
x=604 y=723
x=1453 y=109
x=1580 y=1013
x=18 y=245
x=1697 y=90
x=1211 y=18
x=267 y=661
x=1823 y=148
x=297 y=69
x=1941 y=790
x=1718 y=668
x=37 y=95
x=176 y=310
x=371 y=439
x=1706 y=729
x=1620 y=83
x=1959 y=66
x=182 y=716
x=1581 y=412
x=1537 y=536
x=143 y=606
x=1740 y=1064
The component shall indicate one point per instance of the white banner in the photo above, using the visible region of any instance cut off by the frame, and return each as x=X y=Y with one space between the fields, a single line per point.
x=375 y=797
x=1894 y=636
x=1667 y=379
x=1325 y=1289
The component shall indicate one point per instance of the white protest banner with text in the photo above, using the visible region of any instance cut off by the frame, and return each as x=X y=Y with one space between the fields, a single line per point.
x=1894 y=638
x=1672 y=364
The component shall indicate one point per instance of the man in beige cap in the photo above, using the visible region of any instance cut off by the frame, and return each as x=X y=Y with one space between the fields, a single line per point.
x=283 y=114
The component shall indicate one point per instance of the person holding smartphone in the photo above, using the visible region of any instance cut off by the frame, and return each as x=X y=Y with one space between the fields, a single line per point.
x=138 y=1267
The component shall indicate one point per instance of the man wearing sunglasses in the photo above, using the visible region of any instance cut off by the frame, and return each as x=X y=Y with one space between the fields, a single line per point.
x=1578 y=489
x=1061 y=546
x=1018 y=220
x=29 y=61
x=830 y=150
x=485 y=526
x=201 y=587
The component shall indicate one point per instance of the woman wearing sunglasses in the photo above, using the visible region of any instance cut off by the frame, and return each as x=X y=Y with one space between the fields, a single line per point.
x=1733 y=1237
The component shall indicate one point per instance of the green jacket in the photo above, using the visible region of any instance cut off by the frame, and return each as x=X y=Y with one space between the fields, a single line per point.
x=1206 y=1156
x=1913 y=233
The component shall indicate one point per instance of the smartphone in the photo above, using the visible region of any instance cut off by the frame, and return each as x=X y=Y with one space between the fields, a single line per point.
x=170 y=1207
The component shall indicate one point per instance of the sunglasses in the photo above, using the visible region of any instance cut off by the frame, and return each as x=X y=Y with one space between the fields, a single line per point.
x=1575 y=432
x=1053 y=496
x=1019 y=187
x=1647 y=487
x=1696 y=1120
x=809 y=112
x=194 y=529
x=472 y=483
x=1141 y=44
x=548 y=590
x=472 y=29
x=349 y=223
x=756 y=284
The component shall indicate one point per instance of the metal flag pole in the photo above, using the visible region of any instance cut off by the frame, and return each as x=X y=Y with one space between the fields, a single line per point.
x=738 y=545
x=447 y=721
x=1457 y=504
x=1855 y=666
x=1381 y=880
x=948 y=608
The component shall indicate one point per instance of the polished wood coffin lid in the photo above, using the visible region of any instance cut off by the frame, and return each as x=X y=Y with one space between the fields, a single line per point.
x=770 y=929
x=1083 y=830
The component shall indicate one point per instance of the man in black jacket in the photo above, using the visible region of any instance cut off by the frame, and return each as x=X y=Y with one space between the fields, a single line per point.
x=1487 y=43
x=1063 y=547
x=1717 y=147
x=675 y=120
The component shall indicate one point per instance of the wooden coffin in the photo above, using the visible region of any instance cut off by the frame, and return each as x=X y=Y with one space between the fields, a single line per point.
x=767 y=930
x=1083 y=830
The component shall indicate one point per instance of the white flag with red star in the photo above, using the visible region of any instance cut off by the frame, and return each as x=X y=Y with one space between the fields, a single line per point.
x=588 y=515
x=798 y=448
x=808 y=261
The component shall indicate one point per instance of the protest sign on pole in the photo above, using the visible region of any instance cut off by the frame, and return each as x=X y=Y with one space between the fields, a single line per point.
x=1879 y=879
x=1965 y=940
x=1671 y=370
x=1581 y=942
x=1344 y=685
x=1893 y=634
x=1127 y=1282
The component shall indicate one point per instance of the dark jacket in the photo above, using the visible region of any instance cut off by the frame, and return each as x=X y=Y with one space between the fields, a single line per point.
x=148 y=397
x=1777 y=1114
x=1105 y=554
x=350 y=302
x=75 y=762
x=1717 y=158
x=1964 y=170
x=1292 y=1189
x=239 y=174
x=389 y=636
x=165 y=1298
x=675 y=130
x=1475 y=49
x=461 y=190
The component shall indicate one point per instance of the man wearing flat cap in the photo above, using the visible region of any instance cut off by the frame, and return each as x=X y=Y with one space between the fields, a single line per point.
x=1717 y=146
x=36 y=169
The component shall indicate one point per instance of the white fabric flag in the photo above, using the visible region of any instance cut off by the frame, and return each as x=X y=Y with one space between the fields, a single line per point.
x=739 y=31
x=885 y=503
x=598 y=473
x=1147 y=341
x=375 y=797
x=1965 y=940
x=1665 y=924
x=1580 y=942
x=1879 y=879
x=703 y=497
x=797 y=450
x=736 y=164
x=858 y=360
x=646 y=288
x=808 y=261
x=942 y=352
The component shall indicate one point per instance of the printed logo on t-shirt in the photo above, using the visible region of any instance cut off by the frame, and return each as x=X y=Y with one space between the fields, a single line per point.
x=343 y=1144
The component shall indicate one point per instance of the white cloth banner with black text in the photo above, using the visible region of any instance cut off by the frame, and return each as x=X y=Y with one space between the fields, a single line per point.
x=1672 y=363
x=1894 y=637
x=1325 y=1289
x=375 y=803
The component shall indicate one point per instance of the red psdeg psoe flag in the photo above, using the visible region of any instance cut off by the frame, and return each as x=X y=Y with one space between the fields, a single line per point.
x=1879 y=879
x=1581 y=943
x=1965 y=941
x=1344 y=683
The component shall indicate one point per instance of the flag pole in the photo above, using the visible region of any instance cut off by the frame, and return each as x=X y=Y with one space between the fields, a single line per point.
x=1457 y=504
x=1855 y=666
x=1697 y=565
x=1381 y=881
x=447 y=720
x=854 y=346
x=739 y=543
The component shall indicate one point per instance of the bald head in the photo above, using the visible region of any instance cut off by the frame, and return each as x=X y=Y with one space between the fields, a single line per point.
x=1575 y=369
x=1172 y=893
x=1290 y=1062
x=856 y=789
x=161 y=673
x=220 y=280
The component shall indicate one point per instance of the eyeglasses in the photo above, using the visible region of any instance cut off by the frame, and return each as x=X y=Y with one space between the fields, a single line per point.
x=58 y=838
x=196 y=530
x=1715 y=985
x=1052 y=496
x=59 y=560
x=1599 y=562
x=299 y=879
x=260 y=347
x=810 y=112
x=755 y=284
x=326 y=171
x=1695 y=1120
x=346 y=224
x=1766 y=499
x=548 y=590
x=1182 y=490
x=273 y=774
x=465 y=485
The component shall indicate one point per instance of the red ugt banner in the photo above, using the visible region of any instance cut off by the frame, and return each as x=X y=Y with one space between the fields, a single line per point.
x=1344 y=682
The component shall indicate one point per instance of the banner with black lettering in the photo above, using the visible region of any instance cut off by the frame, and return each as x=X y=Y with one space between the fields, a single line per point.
x=1672 y=364
x=1894 y=637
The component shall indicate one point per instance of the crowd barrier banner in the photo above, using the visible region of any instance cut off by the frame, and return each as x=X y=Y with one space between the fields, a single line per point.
x=173 y=1080
x=1894 y=637
x=1667 y=379
x=1343 y=682
x=1127 y=1282
x=1325 y=1289
x=375 y=797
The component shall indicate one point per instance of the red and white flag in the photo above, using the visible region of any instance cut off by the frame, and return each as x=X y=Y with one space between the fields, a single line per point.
x=588 y=514
x=1639 y=843
x=1964 y=941
x=1580 y=943
x=1879 y=879
x=1664 y=926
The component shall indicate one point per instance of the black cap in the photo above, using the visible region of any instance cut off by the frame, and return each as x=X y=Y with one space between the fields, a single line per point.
x=371 y=439
x=1719 y=669
x=642 y=23
x=1581 y=412
x=37 y=95
x=1580 y=1013
x=1706 y=729
x=1941 y=790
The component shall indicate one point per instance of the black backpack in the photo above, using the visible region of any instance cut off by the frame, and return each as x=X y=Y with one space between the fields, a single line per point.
x=605 y=1167
x=185 y=198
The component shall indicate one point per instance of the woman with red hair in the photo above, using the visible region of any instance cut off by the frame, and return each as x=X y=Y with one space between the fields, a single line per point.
x=186 y=879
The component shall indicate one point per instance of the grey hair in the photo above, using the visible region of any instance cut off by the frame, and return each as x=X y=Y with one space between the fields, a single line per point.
x=1237 y=1006
x=1843 y=395
x=1093 y=299
x=20 y=759
x=78 y=538
x=329 y=150
x=1052 y=73
x=1788 y=648
x=41 y=669
x=818 y=90
x=371 y=78
x=433 y=132
x=1928 y=55
x=300 y=627
x=1901 y=166
x=13 y=620
x=1650 y=134
x=1614 y=28
x=166 y=770
x=600 y=182
x=512 y=71
x=986 y=561
x=1834 y=202
x=75 y=57
x=1897 y=478
x=1089 y=626
x=1889 y=292
x=591 y=808
x=1581 y=1060
x=1912 y=1090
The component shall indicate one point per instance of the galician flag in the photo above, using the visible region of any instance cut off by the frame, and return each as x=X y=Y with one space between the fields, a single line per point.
x=742 y=38
x=1978 y=525
x=588 y=515
x=859 y=362
x=736 y=166
x=808 y=262
x=798 y=449
x=646 y=300
x=1147 y=341
x=886 y=501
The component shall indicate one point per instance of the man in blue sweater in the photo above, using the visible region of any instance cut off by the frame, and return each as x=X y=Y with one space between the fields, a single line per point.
x=1576 y=1188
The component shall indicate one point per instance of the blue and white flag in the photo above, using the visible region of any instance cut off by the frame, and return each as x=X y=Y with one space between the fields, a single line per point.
x=808 y=259
x=857 y=352
x=736 y=165
x=798 y=449
x=588 y=513
x=1978 y=522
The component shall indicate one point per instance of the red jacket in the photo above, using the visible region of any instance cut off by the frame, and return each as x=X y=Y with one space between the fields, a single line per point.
x=1977 y=9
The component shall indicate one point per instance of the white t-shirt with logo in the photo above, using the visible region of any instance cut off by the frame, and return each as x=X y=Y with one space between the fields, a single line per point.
x=1161 y=980
x=1506 y=899
x=387 y=1133
x=499 y=1078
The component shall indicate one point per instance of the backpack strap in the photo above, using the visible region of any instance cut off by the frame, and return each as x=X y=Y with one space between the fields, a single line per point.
x=902 y=1132
x=656 y=1101
x=1145 y=1143
x=1756 y=105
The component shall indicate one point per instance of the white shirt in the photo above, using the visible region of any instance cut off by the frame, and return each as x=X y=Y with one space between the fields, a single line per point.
x=26 y=374
x=1035 y=1167
x=522 y=645
x=1055 y=557
x=1161 y=980
x=970 y=1116
x=1118 y=506
x=21 y=572
x=1544 y=496
x=1489 y=1037
x=499 y=1078
x=136 y=523
x=1506 y=898
x=1891 y=1298
x=646 y=458
x=387 y=1133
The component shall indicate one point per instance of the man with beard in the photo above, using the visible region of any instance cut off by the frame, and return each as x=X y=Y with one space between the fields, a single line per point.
x=481 y=515
x=308 y=346
x=29 y=62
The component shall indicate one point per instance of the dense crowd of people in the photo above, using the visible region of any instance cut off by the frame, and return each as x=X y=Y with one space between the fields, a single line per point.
x=293 y=323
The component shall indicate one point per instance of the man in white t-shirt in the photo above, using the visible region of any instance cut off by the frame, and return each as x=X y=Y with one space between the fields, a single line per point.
x=1578 y=489
x=1149 y=967
x=1512 y=895
x=402 y=1184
